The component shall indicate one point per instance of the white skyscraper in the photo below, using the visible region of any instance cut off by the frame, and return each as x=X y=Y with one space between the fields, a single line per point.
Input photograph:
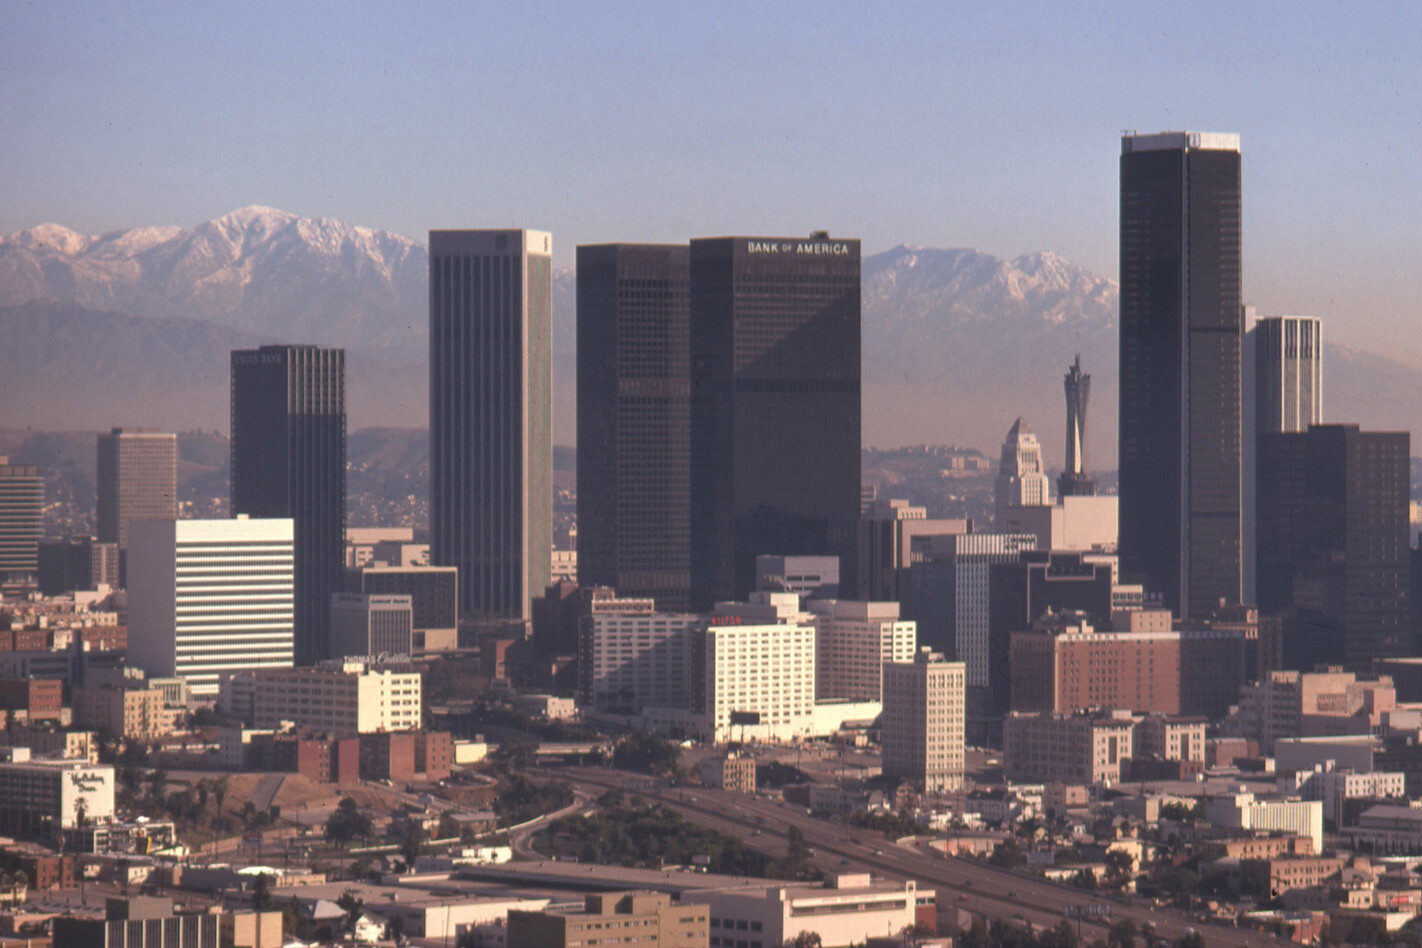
x=207 y=597
x=922 y=727
x=1021 y=478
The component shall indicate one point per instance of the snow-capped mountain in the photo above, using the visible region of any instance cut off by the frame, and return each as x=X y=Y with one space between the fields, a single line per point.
x=956 y=343
x=257 y=270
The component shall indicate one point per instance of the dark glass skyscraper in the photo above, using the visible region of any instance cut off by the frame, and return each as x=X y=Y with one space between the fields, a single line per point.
x=775 y=409
x=491 y=424
x=1074 y=480
x=1181 y=333
x=136 y=479
x=289 y=460
x=1333 y=544
x=634 y=415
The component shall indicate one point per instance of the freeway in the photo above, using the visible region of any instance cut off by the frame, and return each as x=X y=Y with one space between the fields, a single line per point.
x=963 y=883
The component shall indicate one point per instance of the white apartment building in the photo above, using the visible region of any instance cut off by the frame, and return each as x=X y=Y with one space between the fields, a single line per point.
x=350 y=696
x=39 y=798
x=922 y=726
x=636 y=660
x=753 y=671
x=1244 y=811
x=209 y=597
x=1332 y=787
x=853 y=640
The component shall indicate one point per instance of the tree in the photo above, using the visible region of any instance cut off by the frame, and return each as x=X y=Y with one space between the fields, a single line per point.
x=348 y=823
x=411 y=844
x=1008 y=855
x=262 y=893
x=1118 y=867
x=648 y=753
x=514 y=755
x=353 y=906
x=1121 y=934
x=805 y=940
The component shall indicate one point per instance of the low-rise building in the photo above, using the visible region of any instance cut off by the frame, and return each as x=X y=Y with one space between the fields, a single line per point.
x=144 y=922
x=1386 y=829
x=734 y=772
x=319 y=758
x=41 y=798
x=847 y=910
x=643 y=919
x=1332 y=787
x=129 y=713
x=1072 y=748
x=1244 y=811
x=42 y=699
x=349 y=696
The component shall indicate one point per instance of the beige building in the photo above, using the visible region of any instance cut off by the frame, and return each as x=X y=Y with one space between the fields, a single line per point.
x=853 y=640
x=643 y=919
x=734 y=772
x=339 y=697
x=1075 y=748
x=922 y=729
x=72 y=745
x=1171 y=738
x=1309 y=704
x=130 y=713
x=847 y=910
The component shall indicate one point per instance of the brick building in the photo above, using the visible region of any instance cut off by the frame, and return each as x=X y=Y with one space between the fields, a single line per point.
x=42 y=699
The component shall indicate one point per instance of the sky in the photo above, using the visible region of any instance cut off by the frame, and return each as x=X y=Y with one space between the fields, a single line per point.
x=986 y=125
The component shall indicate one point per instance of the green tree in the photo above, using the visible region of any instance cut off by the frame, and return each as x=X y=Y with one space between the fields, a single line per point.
x=412 y=843
x=1118 y=867
x=1008 y=855
x=348 y=823
x=648 y=753
x=262 y=893
x=805 y=940
x=1121 y=934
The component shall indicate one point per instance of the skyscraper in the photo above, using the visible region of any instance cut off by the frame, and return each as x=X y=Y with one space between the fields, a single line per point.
x=634 y=414
x=207 y=597
x=1181 y=328
x=289 y=460
x=136 y=479
x=1288 y=373
x=775 y=340
x=21 y=521
x=1333 y=544
x=491 y=434
x=1283 y=392
x=1021 y=477
x=1075 y=481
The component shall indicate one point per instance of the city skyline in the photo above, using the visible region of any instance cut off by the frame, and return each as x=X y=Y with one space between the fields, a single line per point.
x=1330 y=221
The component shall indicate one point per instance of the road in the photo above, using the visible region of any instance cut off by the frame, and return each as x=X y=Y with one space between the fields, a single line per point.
x=965 y=883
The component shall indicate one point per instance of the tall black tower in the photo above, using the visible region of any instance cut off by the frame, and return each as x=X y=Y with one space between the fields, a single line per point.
x=289 y=460
x=775 y=406
x=1075 y=482
x=491 y=416
x=1181 y=337
x=634 y=415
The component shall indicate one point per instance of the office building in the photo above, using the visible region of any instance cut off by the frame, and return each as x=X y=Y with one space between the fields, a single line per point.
x=151 y=922
x=39 y=799
x=947 y=593
x=434 y=600
x=1334 y=560
x=853 y=640
x=21 y=521
x=136 y=479
x=922 y=728
x=641 y=919
x=752 y=673
x=289 y=460
x=1064 y=664
x=372 y=624
x=341 y=697
x=491 y=426
x=77 y=563
x=1288 y=704
x=812 y=577
x=631 y=660
x=1181 y=333
x=127 y=713
x=634 y=416
x=775 y=411
x=1021 y=477
x=1244 y=811
x=208 y=597
x=891 y=534
x=1075 y=481
x=734 y=772
x=1087 y=524
x=32 y=699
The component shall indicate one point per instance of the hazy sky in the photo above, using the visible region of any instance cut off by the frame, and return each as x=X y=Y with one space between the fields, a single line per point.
x=990 y=125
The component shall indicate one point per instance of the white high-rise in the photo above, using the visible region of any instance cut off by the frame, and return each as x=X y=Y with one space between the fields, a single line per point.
x=1021 y=478
x=853 y=640
x=923 y=724
x=207 y=597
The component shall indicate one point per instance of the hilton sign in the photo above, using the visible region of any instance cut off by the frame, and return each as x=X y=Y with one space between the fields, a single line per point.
x=797 y=247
